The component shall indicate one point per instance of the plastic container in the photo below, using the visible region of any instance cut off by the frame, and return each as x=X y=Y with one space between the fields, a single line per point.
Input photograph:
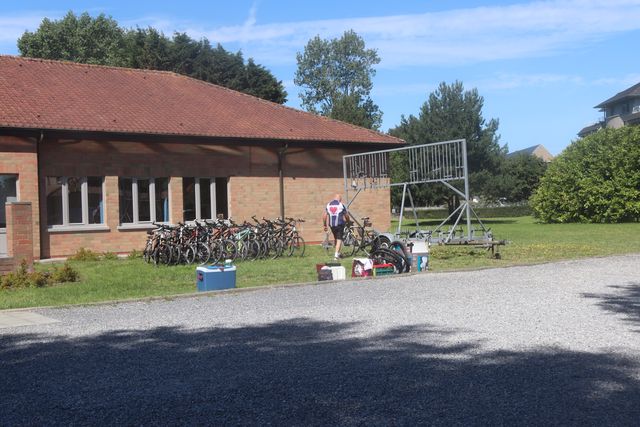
x=215 y=277
x=383 y=270
x=338 y=273
x=422 y=261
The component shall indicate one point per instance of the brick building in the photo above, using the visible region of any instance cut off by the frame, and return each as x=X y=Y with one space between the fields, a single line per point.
x=101 y=152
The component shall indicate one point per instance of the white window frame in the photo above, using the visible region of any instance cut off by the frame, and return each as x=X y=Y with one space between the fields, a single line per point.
x=152 y=201
x=84 y=195
x=212 y=196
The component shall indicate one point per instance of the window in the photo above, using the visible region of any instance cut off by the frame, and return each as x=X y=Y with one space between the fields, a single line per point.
x=204 y=198
x=144 y=200
x=8 y=192
x=74 y=200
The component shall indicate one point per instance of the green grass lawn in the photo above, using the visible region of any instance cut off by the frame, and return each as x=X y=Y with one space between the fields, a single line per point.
x=530 y=243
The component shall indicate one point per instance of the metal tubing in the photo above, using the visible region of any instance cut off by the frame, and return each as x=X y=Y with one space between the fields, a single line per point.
x=413 y=207
x=404 y=190
x=466 y=186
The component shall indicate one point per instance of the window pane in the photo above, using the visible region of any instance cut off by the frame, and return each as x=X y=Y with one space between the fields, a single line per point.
x=53 y=188
x=221 y=197
x=162 y=199
x=7 y=189
x=189 y=199
x=96 y=209
x=74 y=185
x=144 y=207
x=126 y=200
x=205 y=198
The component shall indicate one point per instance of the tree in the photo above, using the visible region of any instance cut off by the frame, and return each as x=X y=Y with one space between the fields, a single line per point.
x=259 y=82
x=595 y=179
x=336 y=77
x=76 y=38
x=101 y=41
x=450 y=113
x=519 y=176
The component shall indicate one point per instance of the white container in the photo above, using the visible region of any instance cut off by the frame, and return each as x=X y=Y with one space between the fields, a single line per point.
x=420 y=248
x=338 y=273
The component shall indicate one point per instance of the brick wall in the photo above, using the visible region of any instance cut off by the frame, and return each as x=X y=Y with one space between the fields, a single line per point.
x=312 y=176
x=20 y=236
x=304 y=198
x=18 y=157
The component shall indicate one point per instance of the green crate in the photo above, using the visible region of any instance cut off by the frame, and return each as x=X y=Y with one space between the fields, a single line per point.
x=383 y=271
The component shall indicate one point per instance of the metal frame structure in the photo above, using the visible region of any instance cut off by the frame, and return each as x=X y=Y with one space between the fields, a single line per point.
x=441 y=162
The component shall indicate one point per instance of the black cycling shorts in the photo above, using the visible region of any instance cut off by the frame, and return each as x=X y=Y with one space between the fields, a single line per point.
x=337 y=231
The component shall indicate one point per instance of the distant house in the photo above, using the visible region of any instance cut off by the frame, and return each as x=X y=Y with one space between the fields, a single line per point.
x=623 y=109
x=536 y=150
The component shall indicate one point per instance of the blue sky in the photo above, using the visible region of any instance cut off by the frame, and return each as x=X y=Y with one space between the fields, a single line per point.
x=541 y=66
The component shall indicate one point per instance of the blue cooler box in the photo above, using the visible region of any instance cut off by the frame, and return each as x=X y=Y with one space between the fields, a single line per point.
x=215 y=277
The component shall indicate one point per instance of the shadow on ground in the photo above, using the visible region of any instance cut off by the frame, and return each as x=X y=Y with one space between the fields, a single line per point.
x=623 y=300
x=304 y=372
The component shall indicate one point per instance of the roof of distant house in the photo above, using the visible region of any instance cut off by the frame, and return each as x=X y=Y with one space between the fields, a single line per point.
x=632 y=92
x=46 y=94
x=590 y=129
x=536 y=150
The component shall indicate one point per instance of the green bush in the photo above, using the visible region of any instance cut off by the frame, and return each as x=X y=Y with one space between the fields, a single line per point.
x=66 y=273
x=596 y=179
x=17 y=279
x=84 y=254
x=135 y=254
x=110 y=255
x=23 y=278
x=40 y=279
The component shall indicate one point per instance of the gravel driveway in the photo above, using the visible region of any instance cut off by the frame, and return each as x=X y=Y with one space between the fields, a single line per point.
x=547 y=344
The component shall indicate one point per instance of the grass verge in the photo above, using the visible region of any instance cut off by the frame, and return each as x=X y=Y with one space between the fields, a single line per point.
x=107 y=280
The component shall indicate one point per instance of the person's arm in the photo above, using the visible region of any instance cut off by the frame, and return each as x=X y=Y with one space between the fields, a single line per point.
x=324 y=220
x=346 y=214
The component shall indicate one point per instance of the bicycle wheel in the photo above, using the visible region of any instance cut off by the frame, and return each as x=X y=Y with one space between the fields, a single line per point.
x=161 y=255
x=367 y=243
x=381 y=242
x=388 y=256
x=216 y=252
x=147 y=253
x=295 y=246
x=275 y=248
x=175 y=255
x=253 y=250
x=229 y=250
x=189 y=254
x=241 y=250
x=203 y=253
x=349 y=243
x=327 y=244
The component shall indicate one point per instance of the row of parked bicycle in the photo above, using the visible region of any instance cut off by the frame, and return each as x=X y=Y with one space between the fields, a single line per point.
x=214 y=241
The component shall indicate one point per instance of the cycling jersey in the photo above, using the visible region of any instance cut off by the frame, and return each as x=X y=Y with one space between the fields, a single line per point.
x=336 y=211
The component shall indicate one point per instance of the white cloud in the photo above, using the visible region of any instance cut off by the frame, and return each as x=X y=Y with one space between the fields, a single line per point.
x=508 y=81
x=450 y=37
x=457 y=36
x=622 y=81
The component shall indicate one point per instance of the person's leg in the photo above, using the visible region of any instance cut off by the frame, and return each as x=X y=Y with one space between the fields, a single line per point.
x=337 y=234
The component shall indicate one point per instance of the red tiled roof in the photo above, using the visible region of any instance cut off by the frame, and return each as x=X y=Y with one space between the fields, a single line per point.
x=45 y=94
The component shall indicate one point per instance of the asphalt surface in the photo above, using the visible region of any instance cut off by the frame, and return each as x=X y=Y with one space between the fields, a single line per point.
x=553 y=344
